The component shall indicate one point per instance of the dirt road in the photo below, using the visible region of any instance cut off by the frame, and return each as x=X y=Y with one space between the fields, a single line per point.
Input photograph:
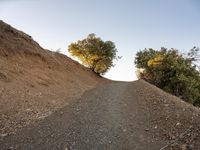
x=112 y=116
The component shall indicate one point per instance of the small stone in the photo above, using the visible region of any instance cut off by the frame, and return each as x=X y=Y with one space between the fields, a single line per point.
x=175 y=147
x=124 y=130
x=3 y=135
x=172 y=137
x=178 y=124
x=66 y=148
x=11 y=147
x=184 y=147
x=181 y=136
x=166 y=105
x=191 y=147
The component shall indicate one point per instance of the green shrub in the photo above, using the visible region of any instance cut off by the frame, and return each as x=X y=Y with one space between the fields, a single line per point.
x=171 y=71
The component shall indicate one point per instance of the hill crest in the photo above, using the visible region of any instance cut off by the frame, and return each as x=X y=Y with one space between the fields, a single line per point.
x=35 y=82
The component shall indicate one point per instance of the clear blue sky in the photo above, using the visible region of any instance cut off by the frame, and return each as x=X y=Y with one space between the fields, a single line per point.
x=131 y=24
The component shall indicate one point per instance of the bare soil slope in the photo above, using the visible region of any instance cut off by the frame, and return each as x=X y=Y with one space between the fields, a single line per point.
x=170 y=118
x=115 y=116
x=35 y=82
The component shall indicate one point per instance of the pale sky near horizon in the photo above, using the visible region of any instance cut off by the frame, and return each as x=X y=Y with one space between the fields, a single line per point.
x=131 y=24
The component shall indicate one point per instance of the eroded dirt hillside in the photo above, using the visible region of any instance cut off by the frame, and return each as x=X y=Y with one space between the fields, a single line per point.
x=115 y=116
x=35 y=82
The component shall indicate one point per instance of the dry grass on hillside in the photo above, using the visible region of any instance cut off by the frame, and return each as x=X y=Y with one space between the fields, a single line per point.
x=35 y=82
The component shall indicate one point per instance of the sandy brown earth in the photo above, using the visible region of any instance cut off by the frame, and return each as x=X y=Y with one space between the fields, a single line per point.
x=117 y=116
x=35 y=82
x=48 y=101
x=170 y=118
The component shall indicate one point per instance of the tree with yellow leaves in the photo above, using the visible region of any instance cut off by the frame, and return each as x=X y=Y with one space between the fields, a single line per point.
x=94 y=53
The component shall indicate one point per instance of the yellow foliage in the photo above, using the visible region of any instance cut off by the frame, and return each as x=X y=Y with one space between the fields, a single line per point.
x=155 y=61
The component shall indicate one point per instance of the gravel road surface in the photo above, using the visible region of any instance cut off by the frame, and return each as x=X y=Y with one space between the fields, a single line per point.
x=111 y=117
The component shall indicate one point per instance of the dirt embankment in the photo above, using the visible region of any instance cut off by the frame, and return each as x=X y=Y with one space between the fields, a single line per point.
x=35 y=82
x=170 y=118
x=116 y=116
